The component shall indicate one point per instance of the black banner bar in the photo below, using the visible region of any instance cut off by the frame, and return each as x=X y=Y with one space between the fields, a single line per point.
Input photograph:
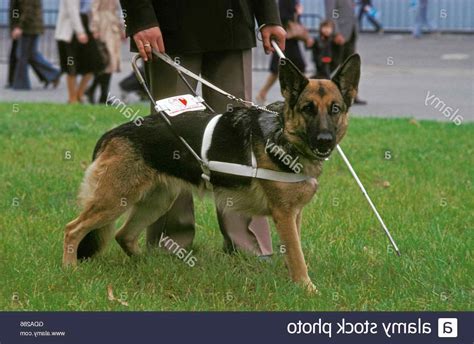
x=237 y=327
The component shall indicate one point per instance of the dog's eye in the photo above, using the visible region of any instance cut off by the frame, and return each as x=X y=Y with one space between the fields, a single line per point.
x=308 y=108
x=335 y=109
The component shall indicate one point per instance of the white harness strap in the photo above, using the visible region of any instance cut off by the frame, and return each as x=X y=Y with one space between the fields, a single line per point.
x=207 y=137
x=243 y=170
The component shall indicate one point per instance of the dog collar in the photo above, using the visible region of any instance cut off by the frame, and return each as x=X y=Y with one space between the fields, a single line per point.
x=243 y=170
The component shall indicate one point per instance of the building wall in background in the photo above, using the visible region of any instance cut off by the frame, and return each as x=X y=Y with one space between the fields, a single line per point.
x=396 y=15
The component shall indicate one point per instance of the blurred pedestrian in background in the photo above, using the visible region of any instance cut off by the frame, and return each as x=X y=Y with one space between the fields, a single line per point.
x=77 y=55
x=421 y=18
x=323 y=50
x=106 y=26
x=368 y=10
x=290 y=12
x=27 y=26
x=342 y=13
x=14 y=16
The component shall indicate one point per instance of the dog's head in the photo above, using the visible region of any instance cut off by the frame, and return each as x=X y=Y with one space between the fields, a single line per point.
x=316 y=111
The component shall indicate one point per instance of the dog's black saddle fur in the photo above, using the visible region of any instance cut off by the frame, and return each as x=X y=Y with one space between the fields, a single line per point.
x=233 y=136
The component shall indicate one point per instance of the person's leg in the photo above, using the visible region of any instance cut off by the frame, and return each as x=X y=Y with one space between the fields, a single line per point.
x=81 y=89
x=374 y=23
x=269 y=82
x=349 y=47
x=71 y=88
x=232 y=71
x=90 y=92
x=424 y=18
x=104 y=81
x=271 y=79
x=44 y=68
x=418 y=22
x=12 y=63
x=361 y=16
x=178 y=222
x=22 y=80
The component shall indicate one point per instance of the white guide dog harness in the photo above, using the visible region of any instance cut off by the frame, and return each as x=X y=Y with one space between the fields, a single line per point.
x=174 y=106
x=243 y=170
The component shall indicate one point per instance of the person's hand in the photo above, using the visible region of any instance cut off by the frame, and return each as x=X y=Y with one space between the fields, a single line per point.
x=147 y=40
x=273 y=32
x=82 y=38
x=339 y=39
x=309 y=42
x=16 y=33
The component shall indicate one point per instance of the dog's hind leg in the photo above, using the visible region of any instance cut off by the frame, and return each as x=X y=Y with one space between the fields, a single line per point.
x=95 y=241
x=143 y=214
x=97 y=216
x=287 y=228
x=116 y=180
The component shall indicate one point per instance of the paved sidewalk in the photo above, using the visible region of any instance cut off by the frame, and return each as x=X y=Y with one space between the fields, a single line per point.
x=399 y=76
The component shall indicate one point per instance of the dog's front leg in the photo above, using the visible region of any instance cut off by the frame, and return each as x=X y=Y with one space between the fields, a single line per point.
x=287 y=228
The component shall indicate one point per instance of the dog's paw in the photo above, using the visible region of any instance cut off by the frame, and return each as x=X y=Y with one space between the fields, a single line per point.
x=69 y=264
x=311 y=288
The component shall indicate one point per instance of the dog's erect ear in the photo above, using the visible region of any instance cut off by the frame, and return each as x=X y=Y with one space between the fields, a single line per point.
x=347 y=78
x=292 y=81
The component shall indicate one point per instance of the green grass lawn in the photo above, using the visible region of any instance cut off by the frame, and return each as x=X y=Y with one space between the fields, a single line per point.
x=419 y=175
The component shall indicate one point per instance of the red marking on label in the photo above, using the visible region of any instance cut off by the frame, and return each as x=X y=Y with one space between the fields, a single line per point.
x=183 y=101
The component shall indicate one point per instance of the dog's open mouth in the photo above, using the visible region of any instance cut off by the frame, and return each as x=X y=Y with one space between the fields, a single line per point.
x=322 y=155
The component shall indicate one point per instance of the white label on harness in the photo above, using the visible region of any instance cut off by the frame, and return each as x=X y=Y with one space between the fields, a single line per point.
x=174 y=106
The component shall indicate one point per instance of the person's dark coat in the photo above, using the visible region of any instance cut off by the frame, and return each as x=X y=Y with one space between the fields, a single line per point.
x=196 y=26
x=28 y=16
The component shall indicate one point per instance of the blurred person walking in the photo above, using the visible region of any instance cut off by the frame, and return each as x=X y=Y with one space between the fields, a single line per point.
x=368 y=10
x=213 y=39
x=421 y=18
x=77 y=55
x=27 y=26
x=107 y=27
x=290 y=12
x=14 y=16
x=342 y=13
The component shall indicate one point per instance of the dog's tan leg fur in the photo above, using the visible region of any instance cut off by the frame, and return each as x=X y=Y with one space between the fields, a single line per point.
x=93 y=217
x=143 y=214
x=286 y=226
x=286 y=204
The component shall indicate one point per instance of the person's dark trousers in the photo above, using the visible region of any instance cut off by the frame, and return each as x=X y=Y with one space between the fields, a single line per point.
x=371 y=19
x=101 y=80
x=231 y=71
x=12 y=65
x=342 y=52
x=28 y=54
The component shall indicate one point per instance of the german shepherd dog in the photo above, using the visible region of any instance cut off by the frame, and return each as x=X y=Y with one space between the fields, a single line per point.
x=142 y=169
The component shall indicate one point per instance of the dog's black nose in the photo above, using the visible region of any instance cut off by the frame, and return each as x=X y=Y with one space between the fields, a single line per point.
x=324 y=141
